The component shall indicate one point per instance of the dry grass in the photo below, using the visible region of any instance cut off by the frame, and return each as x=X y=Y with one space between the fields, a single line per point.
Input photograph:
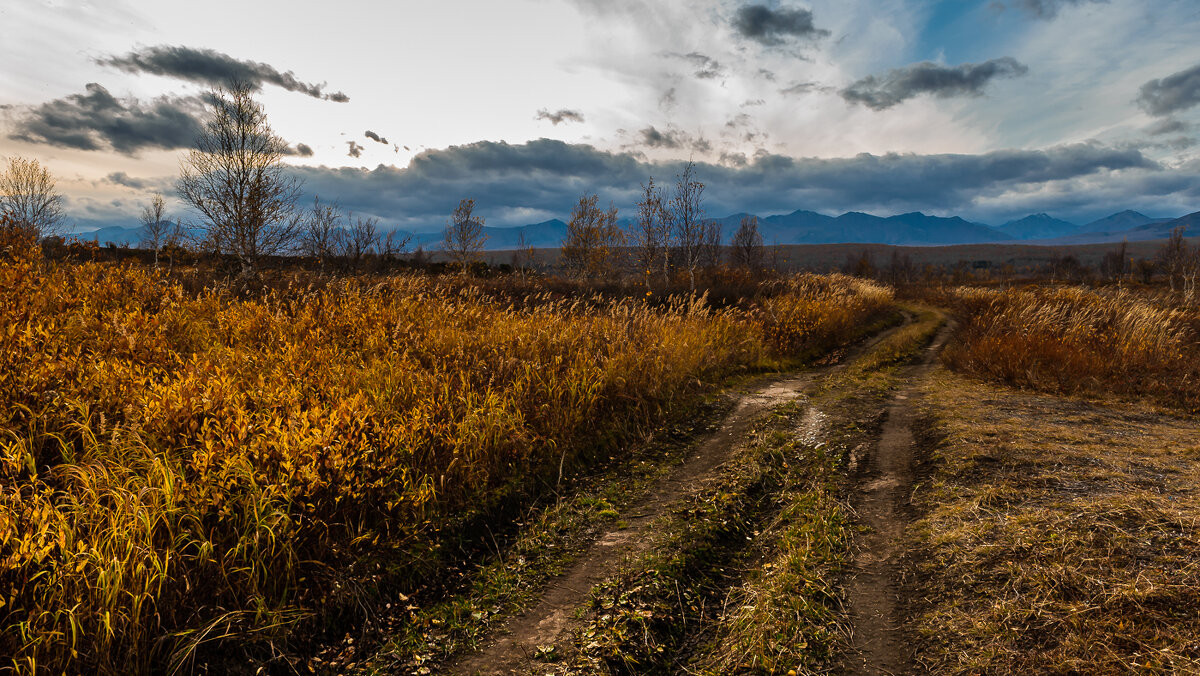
x=180 y=471
x=1056 y=536
x=1078 y=340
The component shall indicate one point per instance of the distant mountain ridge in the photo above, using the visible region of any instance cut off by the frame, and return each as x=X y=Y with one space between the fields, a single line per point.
x=809 y=227
x=1038 y=226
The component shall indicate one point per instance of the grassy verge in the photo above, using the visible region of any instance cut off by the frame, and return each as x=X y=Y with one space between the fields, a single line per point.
x=1056 y=536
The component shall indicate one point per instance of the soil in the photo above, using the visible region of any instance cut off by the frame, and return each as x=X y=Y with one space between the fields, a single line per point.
x=552 y=617
x=881 y=501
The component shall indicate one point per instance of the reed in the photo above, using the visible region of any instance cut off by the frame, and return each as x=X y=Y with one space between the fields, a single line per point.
x=1079 y=340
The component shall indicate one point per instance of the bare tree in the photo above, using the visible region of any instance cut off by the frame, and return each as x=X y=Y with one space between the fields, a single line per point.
x=746 y=247
x=525 y=257
x=465 y=236
x=1173 y=257
x=688 y=222
x=593 y=238
x=29 y=198
x=710 y=251
x=1191 y=275
x=157 y=230
x=1116 y=264
x=322 y=233
x=859 y=265
x=236 y=179
x=900 y=269
x=361 y=239
x=652 y=234
x=394 y=243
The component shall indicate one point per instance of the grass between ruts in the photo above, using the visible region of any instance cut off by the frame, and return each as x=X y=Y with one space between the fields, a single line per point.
x=745 y=576
x=1057 y=535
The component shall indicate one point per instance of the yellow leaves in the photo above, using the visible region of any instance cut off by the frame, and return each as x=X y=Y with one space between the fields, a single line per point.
x=241 y=437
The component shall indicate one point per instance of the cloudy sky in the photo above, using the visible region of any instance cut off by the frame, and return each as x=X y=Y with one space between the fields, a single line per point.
x=988 y=109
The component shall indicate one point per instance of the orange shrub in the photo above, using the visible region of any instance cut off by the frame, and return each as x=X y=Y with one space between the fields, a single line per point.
x=817 y=312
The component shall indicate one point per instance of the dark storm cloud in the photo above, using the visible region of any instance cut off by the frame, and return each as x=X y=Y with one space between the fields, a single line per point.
x=1048 y=9
x=1168 y=126
x=97 y=120
x=901 y=84
x=123 y=179
x=548 y=176
x=163 y=184
x=355 y=150
x=654 y=138
x=210 y=67
x=772 y=26
x=375 y=137
x=1173 y=93
x=559 y=116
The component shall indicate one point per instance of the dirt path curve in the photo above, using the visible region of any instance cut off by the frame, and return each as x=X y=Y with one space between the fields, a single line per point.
x=546 y=622
x=880 y=503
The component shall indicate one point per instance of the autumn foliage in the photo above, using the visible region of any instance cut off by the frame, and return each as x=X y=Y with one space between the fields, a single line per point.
x=180 y=469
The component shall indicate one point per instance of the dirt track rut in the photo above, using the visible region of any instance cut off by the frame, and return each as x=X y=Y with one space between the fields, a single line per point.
x=880 y=502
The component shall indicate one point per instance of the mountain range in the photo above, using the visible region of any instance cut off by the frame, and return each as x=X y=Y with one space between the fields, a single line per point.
x=810 y=227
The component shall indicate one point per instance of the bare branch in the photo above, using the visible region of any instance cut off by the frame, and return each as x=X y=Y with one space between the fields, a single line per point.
x=29 y=198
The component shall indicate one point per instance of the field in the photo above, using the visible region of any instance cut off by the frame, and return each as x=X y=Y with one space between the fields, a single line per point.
x=395 y=473
x=188 y=471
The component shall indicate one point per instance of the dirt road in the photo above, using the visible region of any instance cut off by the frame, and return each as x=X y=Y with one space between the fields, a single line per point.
x=551 y=617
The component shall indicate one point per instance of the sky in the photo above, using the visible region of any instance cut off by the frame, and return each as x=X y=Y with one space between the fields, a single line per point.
x=398 y=109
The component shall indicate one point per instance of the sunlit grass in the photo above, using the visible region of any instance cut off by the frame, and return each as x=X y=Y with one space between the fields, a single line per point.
x=1078 y=340
x=177 y=469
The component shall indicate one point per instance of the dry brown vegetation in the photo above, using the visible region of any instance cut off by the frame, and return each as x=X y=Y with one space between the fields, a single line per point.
x=1080 y=340
x=1056 y=536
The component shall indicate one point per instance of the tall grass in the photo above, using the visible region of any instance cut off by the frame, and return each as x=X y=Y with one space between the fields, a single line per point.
x=179 y=469
x=1078 y=340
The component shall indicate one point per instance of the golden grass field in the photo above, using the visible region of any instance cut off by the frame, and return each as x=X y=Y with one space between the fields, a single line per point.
x=1079 y=340
x=182 y=471
x=190 y=473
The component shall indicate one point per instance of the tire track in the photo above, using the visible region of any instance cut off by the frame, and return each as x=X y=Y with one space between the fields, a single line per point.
x=880 y=502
